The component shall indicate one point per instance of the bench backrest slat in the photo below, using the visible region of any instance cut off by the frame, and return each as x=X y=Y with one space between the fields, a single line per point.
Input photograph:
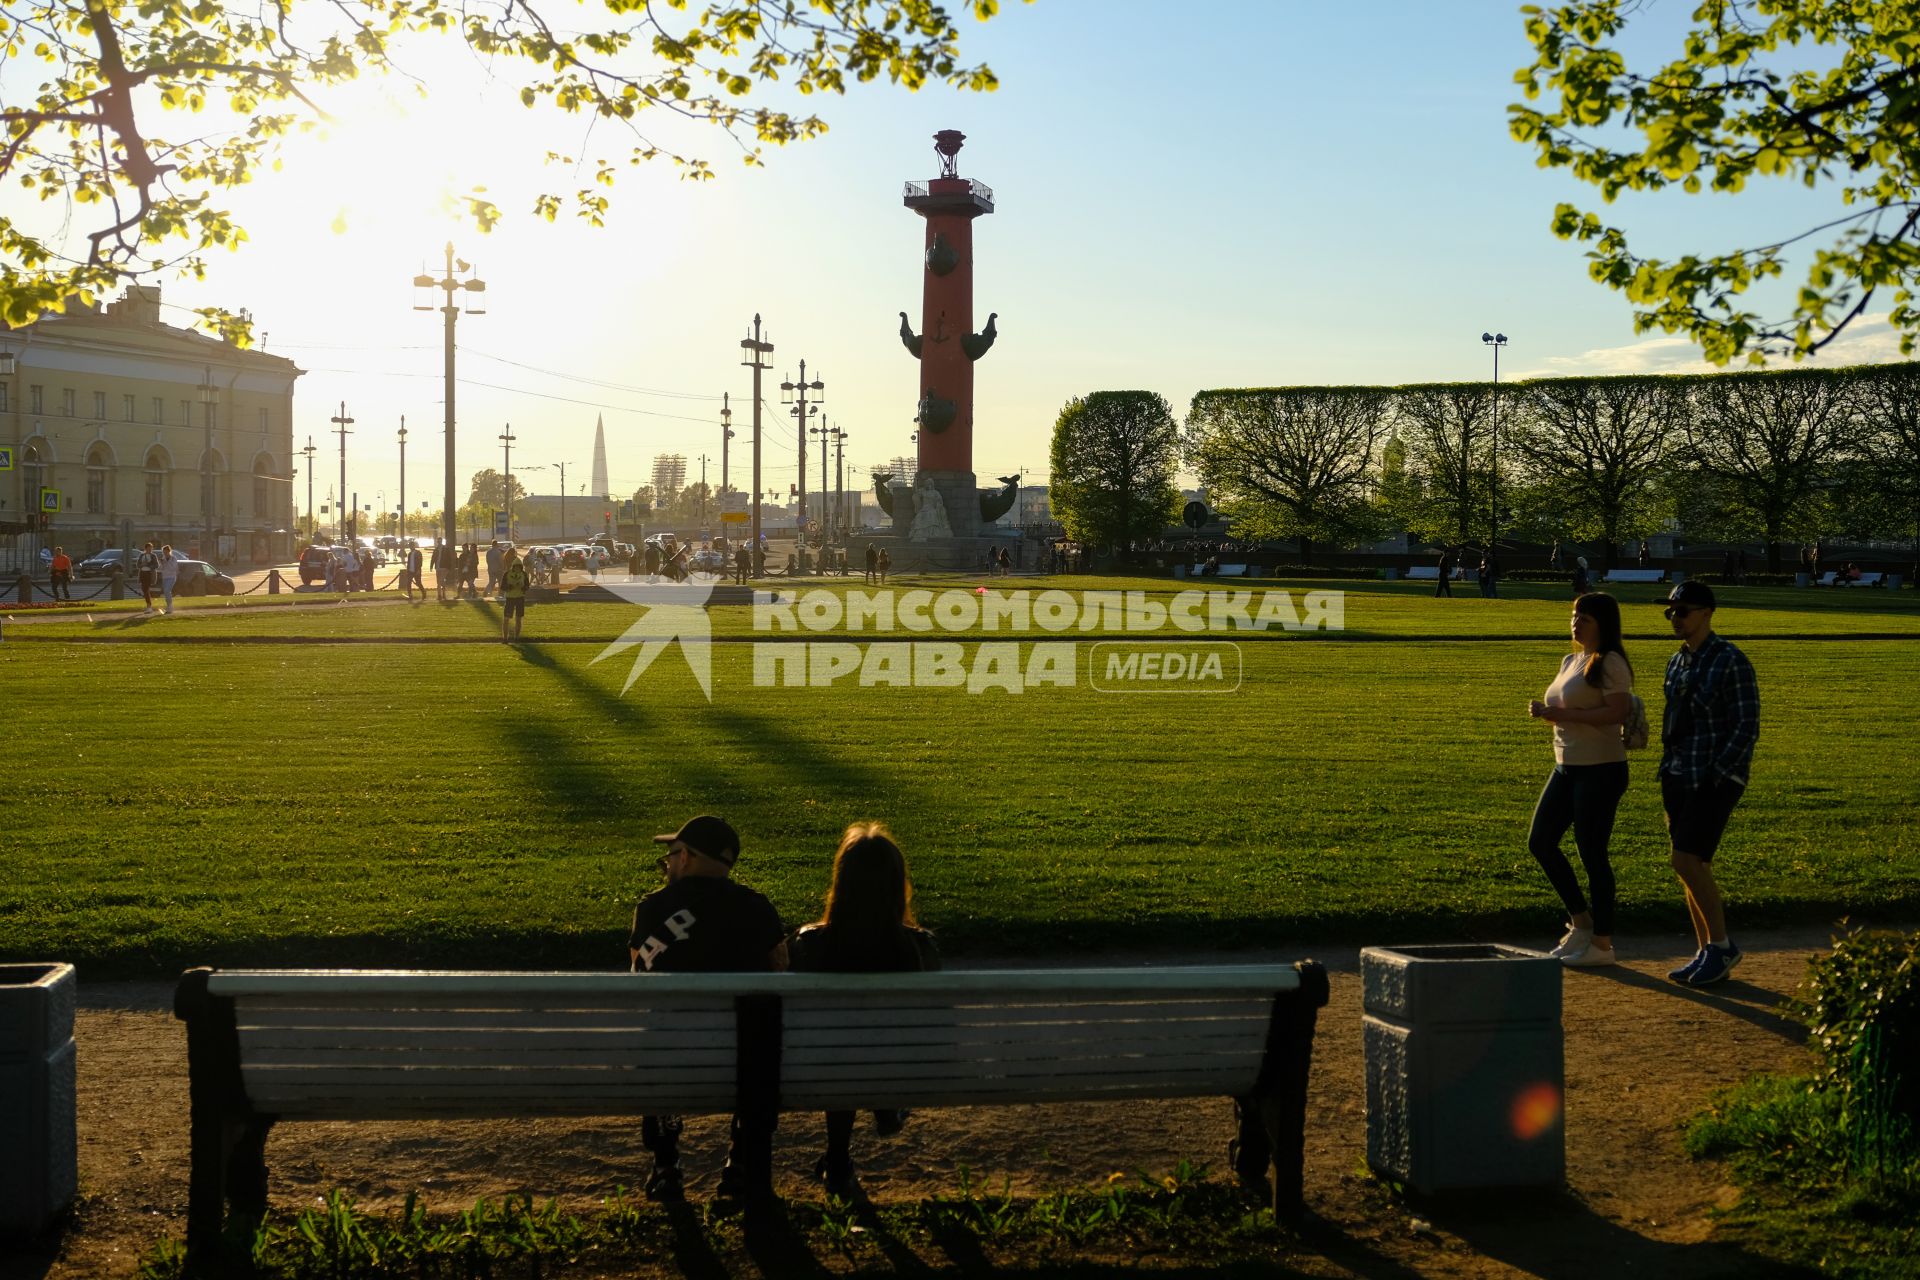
x=320 y=1044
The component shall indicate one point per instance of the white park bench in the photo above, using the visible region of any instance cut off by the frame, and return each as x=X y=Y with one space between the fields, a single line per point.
x=266 y=1046
x=1429 y=572
x=1232 y=571
x=1864 y=580
x=1635 y=575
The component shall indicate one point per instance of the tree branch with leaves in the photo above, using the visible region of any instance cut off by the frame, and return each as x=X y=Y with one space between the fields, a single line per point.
x=1825 y=93
x=112 y=74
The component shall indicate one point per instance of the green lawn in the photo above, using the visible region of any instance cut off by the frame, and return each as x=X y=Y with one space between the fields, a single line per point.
x=290 y=786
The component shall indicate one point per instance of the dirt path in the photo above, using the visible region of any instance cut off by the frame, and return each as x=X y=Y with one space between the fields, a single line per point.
x=1641 y=1055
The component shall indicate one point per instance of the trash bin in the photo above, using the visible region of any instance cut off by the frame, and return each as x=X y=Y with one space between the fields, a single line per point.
x=36 y=1095
x=1465 y=1069
x=1802 y=580
x=1180 y=571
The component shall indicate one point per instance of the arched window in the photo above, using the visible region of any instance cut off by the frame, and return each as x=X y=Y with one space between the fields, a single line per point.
x=156 y=478
x=263 y=486
x=99 y=478
x=33 y=474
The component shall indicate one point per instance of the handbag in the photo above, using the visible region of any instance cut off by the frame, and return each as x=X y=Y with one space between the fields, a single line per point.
x=1635 y=730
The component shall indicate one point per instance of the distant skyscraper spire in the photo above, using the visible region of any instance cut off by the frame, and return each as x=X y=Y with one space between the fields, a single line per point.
x=601 y=488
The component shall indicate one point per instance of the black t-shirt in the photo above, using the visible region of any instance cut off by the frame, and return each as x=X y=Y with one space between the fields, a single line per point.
x=704 y=924
x=815 y=949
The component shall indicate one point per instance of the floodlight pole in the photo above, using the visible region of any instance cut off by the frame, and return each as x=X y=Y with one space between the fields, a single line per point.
x=450 y=284
x=340 y=424
x=755 y=351
x=308 y=452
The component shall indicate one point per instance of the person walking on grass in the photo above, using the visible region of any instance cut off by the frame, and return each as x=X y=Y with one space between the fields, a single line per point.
x=169 y=573
x=703 y=921
x=1707 y=735
x=1589 y=699
x=470 y=571
x=1445 y=587
x=415 y=561
x=514 y=581
x=867 y=927
x=149 y=566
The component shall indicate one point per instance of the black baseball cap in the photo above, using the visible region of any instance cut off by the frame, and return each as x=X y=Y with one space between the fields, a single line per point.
x=713 y=837
x=1695 y=595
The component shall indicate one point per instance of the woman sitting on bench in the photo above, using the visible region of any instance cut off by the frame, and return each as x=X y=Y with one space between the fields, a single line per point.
x=868 y=928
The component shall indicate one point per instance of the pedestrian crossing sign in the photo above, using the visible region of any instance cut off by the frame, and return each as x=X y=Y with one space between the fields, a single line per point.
x=49 y=499
x=6 y=457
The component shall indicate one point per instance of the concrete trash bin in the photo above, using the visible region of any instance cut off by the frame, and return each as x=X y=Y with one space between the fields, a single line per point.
x=1465 y=1066
x=37 y=1120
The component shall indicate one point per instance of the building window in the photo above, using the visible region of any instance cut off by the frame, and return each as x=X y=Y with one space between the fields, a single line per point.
x=35 y=396
x=99 y=406
x=33 y=474
x=126 y=408
x=186 y=413
x=263 y=418
x=67 y=401
x=96 y=480
x=159 y=411
x=3 y=397
x=262 y=486
x=156 y=483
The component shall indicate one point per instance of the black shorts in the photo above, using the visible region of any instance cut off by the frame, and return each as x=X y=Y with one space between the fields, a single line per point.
x=1697 y=816
x=513 y=607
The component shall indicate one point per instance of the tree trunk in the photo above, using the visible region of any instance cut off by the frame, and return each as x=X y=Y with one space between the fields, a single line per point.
x=1306 y=550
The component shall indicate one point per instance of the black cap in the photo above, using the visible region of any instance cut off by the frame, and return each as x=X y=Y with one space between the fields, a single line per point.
x=713 y=837
x=1695 y=595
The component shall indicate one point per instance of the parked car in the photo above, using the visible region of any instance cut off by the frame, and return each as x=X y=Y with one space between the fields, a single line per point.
x=101 y=564
x=709 y=561
x=617 y=549
x=313 y=564
x=198 y=578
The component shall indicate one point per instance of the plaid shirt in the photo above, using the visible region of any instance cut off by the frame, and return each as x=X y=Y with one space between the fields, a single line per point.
x=1713 y=715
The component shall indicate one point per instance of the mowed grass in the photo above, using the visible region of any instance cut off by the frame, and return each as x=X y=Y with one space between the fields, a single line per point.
x=330 y=797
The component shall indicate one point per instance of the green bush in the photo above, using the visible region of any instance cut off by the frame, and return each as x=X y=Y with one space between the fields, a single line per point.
x=1861 y=1004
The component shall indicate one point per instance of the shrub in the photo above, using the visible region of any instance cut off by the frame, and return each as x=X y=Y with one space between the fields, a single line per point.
x=1861 y=1004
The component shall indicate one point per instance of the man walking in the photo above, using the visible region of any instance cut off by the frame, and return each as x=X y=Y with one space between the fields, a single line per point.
x=149 y=566
x=742 y=563
x=702 y=921
x=1712 y=721
x=493 y=564
x=415 y=561
x=1446 y=574
x=514 y=581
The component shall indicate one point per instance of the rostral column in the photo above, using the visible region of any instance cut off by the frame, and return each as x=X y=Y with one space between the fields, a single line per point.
x=947 y=346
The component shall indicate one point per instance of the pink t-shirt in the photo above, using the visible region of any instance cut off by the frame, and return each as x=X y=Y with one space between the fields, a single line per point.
x=1588 y=743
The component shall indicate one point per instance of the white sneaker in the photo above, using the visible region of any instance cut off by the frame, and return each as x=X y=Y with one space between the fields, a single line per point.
x=1575 y=941
x=1593 y=956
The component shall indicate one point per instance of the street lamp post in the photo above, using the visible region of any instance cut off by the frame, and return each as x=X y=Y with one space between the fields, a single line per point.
x=506 y=483
x=450 y=284
x=795 y=394
x=1496 y=341
x=840 y=482
x=308 y=452
x=754 y=352
x=207 y=398
x=726 y=434
x=402 y=534
x=824 y=432
x=703 y=489
x=340 y=424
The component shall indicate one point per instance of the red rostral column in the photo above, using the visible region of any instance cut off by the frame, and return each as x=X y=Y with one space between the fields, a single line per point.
x=947 y=346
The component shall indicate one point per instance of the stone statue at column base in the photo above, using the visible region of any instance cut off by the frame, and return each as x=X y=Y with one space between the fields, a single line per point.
x=929 y=518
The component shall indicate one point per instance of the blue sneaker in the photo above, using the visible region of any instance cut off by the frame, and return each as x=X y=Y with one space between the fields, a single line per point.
x=1733 y=953
x=1685 y=971
x=1714 y=967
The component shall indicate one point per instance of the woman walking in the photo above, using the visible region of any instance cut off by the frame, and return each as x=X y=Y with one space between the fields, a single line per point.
x=868 y=928
x=1586 y=704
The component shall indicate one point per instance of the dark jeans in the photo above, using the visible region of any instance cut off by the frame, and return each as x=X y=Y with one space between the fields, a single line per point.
x=1445 y=587
x=1584 y=797
x=749 y=1147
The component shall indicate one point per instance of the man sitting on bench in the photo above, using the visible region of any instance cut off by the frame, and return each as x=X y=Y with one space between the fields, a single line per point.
x=701 y=921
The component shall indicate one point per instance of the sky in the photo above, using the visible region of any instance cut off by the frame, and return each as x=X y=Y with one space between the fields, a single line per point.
x=1232 y=193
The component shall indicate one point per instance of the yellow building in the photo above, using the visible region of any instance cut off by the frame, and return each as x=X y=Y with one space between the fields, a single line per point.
x=125 y=429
